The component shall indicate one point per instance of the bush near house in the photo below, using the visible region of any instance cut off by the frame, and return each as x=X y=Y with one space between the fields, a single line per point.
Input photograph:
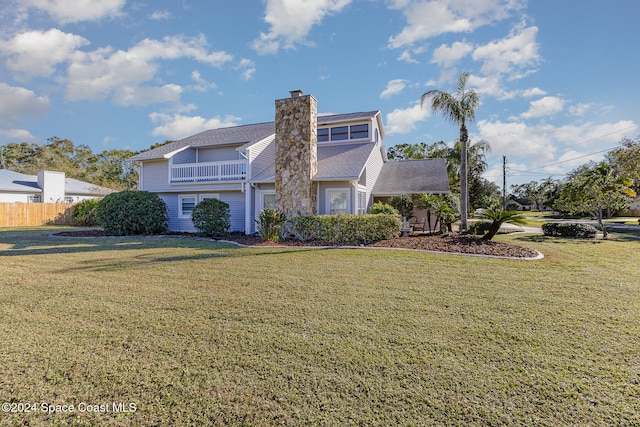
x=271 y=225
x=583 y=231
x=129 y=213
x=212 y=217
x=84 y=212
x=383 y=208
x=404 y=204
x=346 y=228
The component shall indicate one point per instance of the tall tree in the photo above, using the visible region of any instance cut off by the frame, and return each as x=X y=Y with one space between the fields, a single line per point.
x=595 y=189
x=627 y=159
x=459 y=108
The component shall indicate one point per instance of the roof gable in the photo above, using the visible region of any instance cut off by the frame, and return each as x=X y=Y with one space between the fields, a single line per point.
x=246 y=134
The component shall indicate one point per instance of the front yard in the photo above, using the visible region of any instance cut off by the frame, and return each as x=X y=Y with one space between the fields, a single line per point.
x=181 y=331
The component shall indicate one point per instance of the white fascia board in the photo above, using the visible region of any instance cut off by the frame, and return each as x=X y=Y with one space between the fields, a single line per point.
x=174 y=152
x=378 y=117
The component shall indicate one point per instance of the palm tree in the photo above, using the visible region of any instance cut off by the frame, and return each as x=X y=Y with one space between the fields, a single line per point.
x=459 y=108
x=499 y=217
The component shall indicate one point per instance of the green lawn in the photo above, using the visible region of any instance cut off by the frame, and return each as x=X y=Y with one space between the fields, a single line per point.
x=197 y=333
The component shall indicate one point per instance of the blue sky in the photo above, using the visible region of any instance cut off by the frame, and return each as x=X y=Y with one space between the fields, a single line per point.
x=557 y=79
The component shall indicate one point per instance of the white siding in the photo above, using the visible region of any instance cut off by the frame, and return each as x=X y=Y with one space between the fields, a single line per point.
x=186 y=156
x=218 y=154
x=373 y=168
x=15 y=197
x=262 y=154
x=155 y=176
x=235 y=199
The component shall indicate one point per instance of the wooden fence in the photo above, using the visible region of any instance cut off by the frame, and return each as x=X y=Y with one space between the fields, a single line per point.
x=28 y=214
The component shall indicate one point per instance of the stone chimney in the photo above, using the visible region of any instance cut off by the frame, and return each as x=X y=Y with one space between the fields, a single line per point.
x=296 y=154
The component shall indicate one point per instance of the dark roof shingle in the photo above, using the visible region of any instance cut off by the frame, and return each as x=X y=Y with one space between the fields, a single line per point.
x=412 y=177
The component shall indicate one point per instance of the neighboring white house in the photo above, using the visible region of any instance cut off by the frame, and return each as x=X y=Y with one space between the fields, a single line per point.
x=46 y=187
x=301 y=163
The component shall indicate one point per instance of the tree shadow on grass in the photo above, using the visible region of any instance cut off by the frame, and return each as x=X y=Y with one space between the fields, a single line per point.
x=26 y=242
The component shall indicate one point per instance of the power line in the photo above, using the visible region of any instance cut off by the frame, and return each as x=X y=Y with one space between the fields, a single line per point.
x=585 y=155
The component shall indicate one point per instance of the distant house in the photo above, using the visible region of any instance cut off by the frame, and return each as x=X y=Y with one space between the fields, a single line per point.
x=46 y=187
x=520 y=204
x=301 y=164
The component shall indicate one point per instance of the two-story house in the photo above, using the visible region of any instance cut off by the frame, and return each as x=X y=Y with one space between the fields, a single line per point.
x=301 y=163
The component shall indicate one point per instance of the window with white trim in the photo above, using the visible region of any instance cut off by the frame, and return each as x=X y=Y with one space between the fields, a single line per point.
x=342 y=133
x=268 y=200
x=186 y=205
x=35 y=198
x=337 y=201
x=361 y=207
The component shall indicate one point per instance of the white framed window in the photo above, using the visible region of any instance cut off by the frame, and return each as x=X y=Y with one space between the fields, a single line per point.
x=341 y=133
x=267 y=199
x=337 y=201
x=186 y=204
x=361 y=205
x=35 y=198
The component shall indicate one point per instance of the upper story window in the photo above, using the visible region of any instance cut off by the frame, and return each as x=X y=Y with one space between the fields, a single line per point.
x=342 y=133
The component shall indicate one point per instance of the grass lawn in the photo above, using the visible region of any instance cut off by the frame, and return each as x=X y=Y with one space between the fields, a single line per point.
x=198 y=333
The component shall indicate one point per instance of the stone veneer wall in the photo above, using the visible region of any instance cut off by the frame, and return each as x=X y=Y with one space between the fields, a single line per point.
x=296 y=155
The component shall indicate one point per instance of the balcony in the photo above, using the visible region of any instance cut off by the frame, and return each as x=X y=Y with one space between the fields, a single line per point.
x=234 y=170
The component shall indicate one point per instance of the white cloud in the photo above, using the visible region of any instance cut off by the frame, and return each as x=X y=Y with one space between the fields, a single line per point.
x=178 y=126
x=136 y=95
x=160 y=15
x=429 y=18
x=18 y=135
x=394 y=87
x=536 y=91
x=247 y=68
x=580 y=109
x=547 y=106
x=447 y=56
x=512 y=55
x=519 y=139
x=18 y=102
x=103 y=73
x=540 y=143
x=36 y=53
x=406 y=57
x=68 y=11
x=291 y=21
x=202 y=85
x=401 y=121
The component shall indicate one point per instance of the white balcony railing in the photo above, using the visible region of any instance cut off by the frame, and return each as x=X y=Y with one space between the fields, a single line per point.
x=234 y=170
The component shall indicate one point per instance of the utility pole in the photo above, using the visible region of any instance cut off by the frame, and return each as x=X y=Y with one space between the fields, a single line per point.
x=504 y=182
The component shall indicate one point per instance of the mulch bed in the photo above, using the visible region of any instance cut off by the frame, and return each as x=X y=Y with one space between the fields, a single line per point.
x=439 y=243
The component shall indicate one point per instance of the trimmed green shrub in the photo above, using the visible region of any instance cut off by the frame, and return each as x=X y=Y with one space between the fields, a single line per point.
x=212 y=217
x=383 y=208
x=84 y=212
x=271 y=224
x=572 y=229
x=130 y=213
x=304 y=228
x=346 y=228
